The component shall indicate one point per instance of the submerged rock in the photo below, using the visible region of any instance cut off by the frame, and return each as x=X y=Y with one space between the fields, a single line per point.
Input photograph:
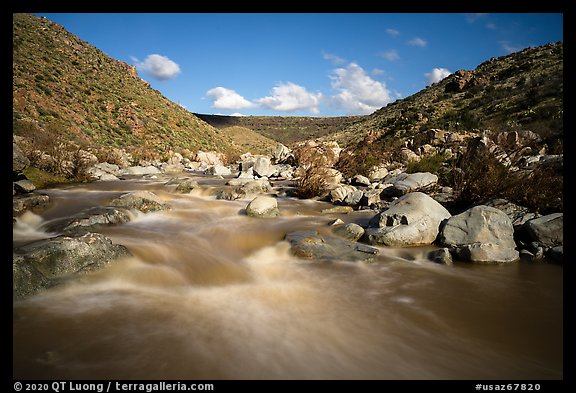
x=311 y=245
x=91 y=219
x=32 y=201
x=351 y=231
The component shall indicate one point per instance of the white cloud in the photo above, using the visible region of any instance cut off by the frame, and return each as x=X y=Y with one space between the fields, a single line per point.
x=159 y=67
x=334 y=59
x=228 y=99
x=378 y=71
x=290 y=97
x=358 y=92
x=509 y=47
x=237 y=114
x=393 y=32
x=417 y=41
x=491 y=26
x=473 y=17
x=391 y=55
x=436 y=75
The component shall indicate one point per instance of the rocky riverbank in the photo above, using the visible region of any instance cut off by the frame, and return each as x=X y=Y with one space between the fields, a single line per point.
x=409 y=210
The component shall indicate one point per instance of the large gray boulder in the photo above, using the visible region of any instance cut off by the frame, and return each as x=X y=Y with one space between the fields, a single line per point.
x=263 y=206
x=481 y=234
x=218 y=170
x=339 y=194
x=283 y=155
x=411 y=220
x=45 y=263
x=547 y=230
x=263 y=167
x=410 y=182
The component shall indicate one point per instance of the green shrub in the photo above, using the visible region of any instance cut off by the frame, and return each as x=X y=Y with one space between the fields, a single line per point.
x=431 y=164
x=479 y=176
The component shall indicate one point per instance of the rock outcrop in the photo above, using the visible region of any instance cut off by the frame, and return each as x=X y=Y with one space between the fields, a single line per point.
x=49 y=262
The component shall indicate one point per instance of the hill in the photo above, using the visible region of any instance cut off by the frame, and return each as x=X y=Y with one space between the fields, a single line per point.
x=520 y=91
x=66 y=89
x=286 y=129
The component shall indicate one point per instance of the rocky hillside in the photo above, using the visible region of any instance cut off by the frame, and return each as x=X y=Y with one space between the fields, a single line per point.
x=64 y=87
x=286 y=129
x=521 y=91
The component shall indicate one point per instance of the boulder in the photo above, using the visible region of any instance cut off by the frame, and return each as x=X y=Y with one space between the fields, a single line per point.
x=411 y=220
x=218 y=170
x=517 y=214
x=378 y=172
x=556 y=254
x=263 y=167
x=547 y=230
x=104 y=171
x=209 y=158
x=32 y=201
x=140 y=170
x=351 y=231
x=360 y=180
x=90 y=219
x=19 y=160
x=230 y=194
x=144 y=201
x=405 y=183
x=311 y=245
x=166 y=167
x=283 y=155
x=263 y=206
x=407 y=155
x=371 y=198
x=332 y=178
x=481 y=234
x=338 y=194
x=256 y=187
x=45 y=263
x=441 y=256
x=353 y=198
x=23 y=186
x=182 y=184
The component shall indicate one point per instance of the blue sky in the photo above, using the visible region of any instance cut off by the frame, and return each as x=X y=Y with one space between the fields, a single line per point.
x=301 y=64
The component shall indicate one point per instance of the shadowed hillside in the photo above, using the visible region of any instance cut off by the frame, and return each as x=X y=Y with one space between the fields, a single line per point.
x=285 y=129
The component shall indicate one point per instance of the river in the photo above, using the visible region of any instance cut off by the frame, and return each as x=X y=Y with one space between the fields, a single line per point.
x=211 y=293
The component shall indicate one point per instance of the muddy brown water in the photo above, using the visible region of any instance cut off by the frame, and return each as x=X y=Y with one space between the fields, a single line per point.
x=213 y=294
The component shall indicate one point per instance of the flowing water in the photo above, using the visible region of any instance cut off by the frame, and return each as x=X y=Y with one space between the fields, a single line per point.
x=210 y=293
